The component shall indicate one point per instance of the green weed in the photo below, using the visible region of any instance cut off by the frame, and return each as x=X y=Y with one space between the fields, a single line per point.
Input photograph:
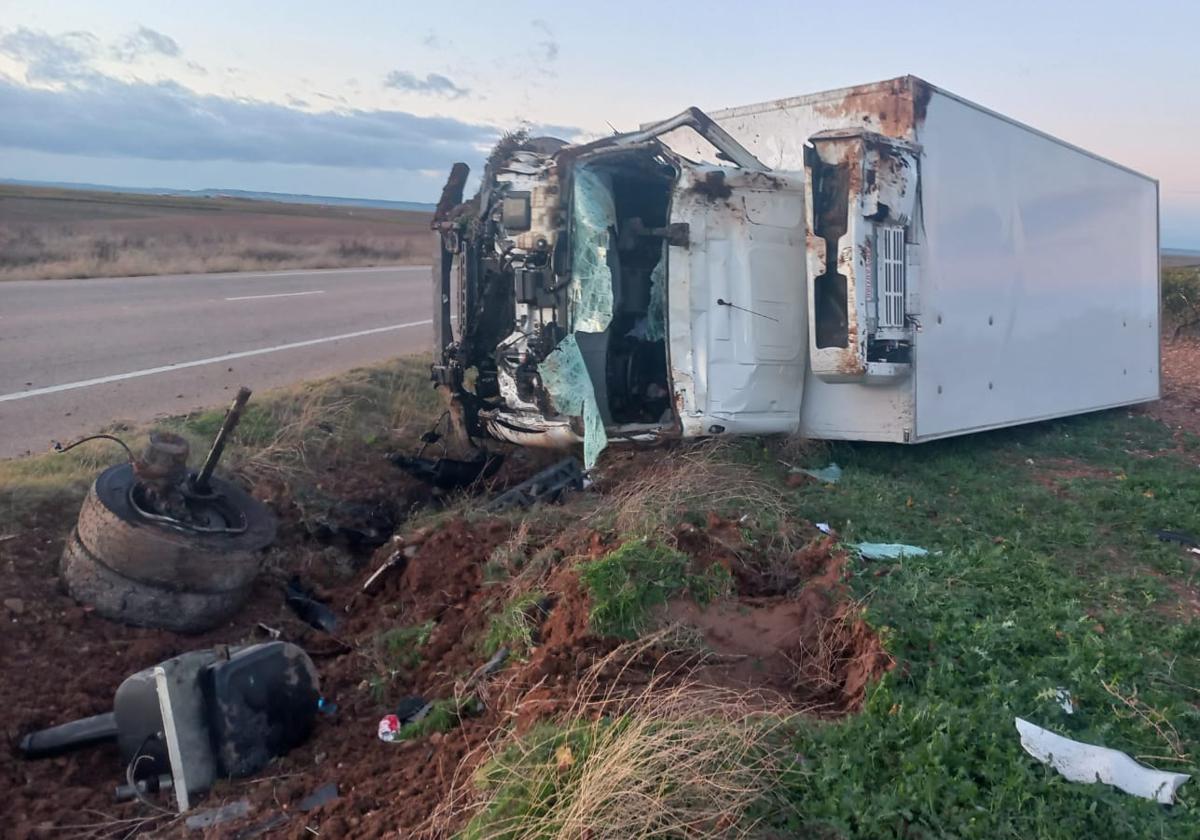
x=514 y=624
x=625 y=585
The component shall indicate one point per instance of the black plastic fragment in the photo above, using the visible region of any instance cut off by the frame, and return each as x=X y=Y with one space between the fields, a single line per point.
x=304 y=604
x=546 y=486
x=449 y=473
x=1181 y=537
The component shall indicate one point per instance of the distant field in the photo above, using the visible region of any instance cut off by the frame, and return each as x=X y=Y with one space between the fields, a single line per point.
x=50 y=233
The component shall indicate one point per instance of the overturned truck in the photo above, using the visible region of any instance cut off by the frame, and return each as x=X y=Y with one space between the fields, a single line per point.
x=886 y=262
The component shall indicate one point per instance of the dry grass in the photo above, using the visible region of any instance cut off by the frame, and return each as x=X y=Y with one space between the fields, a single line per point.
x=287 y=435
x=700 y=477
x=671 y=758
x=54 y=234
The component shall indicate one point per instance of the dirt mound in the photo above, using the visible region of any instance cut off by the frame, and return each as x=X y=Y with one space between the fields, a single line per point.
x=789 y=629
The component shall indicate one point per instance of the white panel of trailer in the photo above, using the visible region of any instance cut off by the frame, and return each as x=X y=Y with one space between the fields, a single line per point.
x=1039 y=276
x=1057 y=247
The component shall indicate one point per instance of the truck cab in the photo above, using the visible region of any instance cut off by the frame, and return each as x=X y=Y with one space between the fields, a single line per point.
x=620 y=291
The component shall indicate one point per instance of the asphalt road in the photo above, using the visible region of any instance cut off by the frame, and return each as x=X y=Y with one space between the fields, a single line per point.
x=77 y=354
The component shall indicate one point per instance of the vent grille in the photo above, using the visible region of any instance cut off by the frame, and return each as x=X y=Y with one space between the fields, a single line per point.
x=890 y=272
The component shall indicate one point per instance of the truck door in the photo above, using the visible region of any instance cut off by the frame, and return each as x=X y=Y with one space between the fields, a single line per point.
x=736 y=300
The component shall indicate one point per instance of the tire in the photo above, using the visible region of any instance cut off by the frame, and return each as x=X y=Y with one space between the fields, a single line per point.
x=119 y=598
x=146 y=574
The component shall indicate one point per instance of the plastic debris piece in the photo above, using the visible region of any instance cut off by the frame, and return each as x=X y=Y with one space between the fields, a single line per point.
x=305 y=605
x=1063 y=698
x=490 y=667
x=548 y=485
x=412 y=708
x=888 y=551
x=830 y=475
x=594 y=216
x=565 y=377
x=389 y=728
x=326 y=708
x=323 y=795
x=1181 y=537
x=1079 y=762
x=215 y=816
x=271 y=823
x=825 y=528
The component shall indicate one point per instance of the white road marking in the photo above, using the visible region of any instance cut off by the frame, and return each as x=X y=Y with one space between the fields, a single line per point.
x=117 y=377
x=298 y=271
x=281 y=294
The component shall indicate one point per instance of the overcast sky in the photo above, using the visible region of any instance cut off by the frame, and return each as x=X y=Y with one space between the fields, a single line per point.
x=376 y=99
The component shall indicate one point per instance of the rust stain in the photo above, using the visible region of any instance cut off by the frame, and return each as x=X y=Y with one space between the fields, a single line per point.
x=713 y=187
x=849 y=362
x=893 y=109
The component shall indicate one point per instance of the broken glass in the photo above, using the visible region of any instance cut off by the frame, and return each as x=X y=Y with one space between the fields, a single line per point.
x=593 y=217
x=565 y=377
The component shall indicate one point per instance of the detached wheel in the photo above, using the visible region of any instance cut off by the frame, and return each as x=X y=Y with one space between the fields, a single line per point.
x=142 y=572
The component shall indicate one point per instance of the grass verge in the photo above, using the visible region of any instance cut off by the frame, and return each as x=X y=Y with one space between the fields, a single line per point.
x=1049 y=577
x=287 y=435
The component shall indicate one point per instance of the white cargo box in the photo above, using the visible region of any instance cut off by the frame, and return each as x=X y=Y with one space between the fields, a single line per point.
x=964 y=271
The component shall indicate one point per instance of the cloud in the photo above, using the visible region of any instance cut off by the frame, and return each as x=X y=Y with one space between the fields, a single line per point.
x=145 y=41
x=549 y=46
x=51 y=58
x=106 y=117
x=434 y=84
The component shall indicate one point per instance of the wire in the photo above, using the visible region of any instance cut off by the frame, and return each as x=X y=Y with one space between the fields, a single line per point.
x=58 y=447
x=133 y=785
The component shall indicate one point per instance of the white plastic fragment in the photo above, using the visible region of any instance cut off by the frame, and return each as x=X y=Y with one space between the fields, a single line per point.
x=888 y=551
x=824 y=528
x=1079 y=762
x=1063 y=698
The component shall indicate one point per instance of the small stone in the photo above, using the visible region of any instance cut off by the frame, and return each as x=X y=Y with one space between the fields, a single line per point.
x=15 y=605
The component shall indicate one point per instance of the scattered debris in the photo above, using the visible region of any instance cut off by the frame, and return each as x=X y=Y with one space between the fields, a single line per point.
x=303 y=602
x=395 y=562
x=1079 y=762
x=546 y=486
x=888 y=551
x=268 y=631
x=825 y=528
x=1181 y=537
x=360 y=527
x=1063 y=698
x=830 y=475
x=215 y=816
x=449 y=473
x=159 y=546
x=412 y=708
x=323 y=795
x=389 y=728
x=276 y=820
x=199 y=716
x=490 y=667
